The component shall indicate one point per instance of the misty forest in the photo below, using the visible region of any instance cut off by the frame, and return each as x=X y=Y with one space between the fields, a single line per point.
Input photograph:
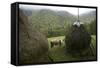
x=47 y=35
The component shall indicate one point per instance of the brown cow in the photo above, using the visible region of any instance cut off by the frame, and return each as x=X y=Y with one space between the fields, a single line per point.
x=55 y=43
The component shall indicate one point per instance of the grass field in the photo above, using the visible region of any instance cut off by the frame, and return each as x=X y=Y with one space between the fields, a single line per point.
x=58 y=53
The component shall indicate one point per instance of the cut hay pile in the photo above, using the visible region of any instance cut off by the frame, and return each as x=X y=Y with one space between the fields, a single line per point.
x=33 y=46
x=77 y=40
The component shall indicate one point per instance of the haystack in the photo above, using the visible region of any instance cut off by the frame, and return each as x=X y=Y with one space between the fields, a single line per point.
x=77 y=39
x=33 y=45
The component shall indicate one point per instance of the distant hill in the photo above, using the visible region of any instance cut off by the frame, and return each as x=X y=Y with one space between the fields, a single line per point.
x=66 y=15
x=53 y=23
x=26 y=12
x=88 y=17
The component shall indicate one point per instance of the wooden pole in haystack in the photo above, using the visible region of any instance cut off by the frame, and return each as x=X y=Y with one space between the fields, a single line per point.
x=77 y=39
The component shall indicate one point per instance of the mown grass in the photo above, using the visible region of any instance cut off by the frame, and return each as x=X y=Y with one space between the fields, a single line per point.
x=93 y=40
x=58 y=53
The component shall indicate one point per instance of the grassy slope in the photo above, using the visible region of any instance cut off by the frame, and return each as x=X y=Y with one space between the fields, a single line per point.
x=57 y=53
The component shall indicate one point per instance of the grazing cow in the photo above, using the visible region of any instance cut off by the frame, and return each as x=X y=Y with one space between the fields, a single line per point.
x=55 y=43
